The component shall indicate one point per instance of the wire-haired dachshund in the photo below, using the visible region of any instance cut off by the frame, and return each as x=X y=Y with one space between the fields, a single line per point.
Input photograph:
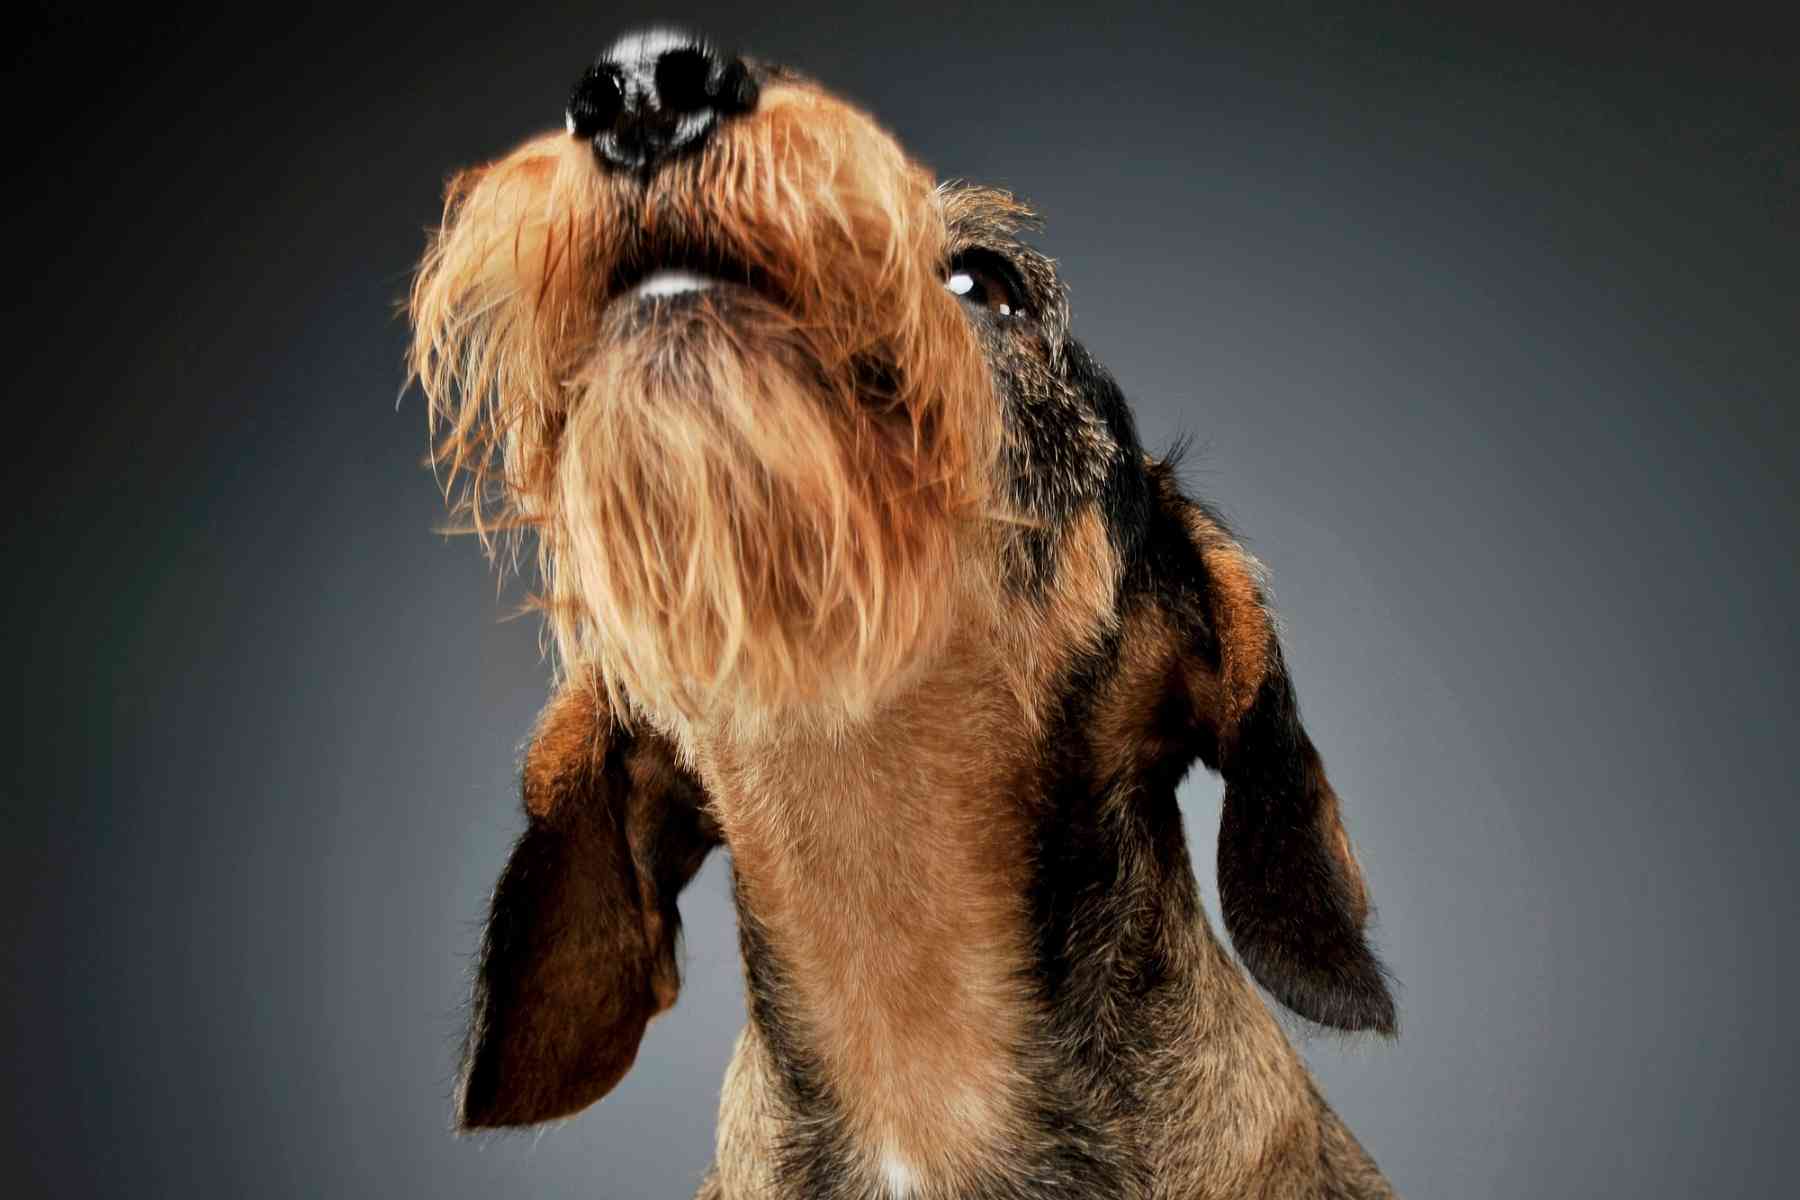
x=855 y=566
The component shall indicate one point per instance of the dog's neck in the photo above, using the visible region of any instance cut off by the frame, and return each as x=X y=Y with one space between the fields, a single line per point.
x=884 y=874
x=885 y=866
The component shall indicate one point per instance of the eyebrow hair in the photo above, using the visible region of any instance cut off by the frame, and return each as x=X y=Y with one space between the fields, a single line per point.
x=986 y=212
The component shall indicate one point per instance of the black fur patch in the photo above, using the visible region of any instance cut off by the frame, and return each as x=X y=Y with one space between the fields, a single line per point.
x=1281 y=890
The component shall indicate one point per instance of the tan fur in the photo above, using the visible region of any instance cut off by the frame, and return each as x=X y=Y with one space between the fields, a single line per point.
x=566 y=746
x=750 y=1123
x=1036 y=641
x=721 y=535
x=1227 y=1069
x=1122 y=734
x=886 y=866
x=1242 y=622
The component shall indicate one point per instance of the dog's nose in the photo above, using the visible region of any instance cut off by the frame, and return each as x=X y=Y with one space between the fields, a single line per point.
x=656 y=94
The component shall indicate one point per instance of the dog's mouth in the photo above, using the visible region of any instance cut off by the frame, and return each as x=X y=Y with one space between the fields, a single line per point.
x=666 y=282
x=674 y=272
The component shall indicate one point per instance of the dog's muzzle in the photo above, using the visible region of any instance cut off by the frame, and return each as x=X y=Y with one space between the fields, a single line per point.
x=654 y=95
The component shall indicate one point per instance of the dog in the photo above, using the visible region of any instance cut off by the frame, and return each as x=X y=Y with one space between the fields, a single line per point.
x=855 y=565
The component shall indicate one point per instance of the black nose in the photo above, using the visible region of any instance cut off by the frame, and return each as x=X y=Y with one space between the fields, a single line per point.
x=656 y=94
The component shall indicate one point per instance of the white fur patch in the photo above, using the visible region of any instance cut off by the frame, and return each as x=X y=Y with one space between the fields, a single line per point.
x=899 y=1176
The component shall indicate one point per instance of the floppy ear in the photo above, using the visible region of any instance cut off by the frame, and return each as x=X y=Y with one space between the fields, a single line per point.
x=1290 y=890
x=579 y=951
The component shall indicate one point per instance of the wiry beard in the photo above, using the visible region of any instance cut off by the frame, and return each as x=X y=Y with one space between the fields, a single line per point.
x=756 y=507
x=750 y=530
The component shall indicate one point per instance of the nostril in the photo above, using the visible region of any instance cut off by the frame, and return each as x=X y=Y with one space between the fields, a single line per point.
x=736 y=92
x=595 y=102
x=682 y=76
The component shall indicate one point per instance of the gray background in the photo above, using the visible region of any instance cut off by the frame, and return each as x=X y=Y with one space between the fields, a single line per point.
x=1486 y=328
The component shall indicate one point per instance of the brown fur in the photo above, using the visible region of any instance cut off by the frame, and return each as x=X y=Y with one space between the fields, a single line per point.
x=881 y=596
x=616 y=830
x=886 y=868
x=813 y=571
x=1239 y=617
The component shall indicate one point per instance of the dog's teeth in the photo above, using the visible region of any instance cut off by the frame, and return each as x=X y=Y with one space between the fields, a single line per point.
x=672 y=283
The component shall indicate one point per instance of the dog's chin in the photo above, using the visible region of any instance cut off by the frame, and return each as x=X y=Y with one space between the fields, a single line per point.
x=748 y=538
x=687 y=335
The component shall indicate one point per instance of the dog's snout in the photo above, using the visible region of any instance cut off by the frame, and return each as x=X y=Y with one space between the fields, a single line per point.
x=656 y=94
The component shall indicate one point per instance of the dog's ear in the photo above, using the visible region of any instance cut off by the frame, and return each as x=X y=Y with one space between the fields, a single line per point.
x=580 y=948
x=1290 y=890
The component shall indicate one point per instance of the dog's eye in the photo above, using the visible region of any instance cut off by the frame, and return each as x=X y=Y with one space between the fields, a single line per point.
x=978 y=278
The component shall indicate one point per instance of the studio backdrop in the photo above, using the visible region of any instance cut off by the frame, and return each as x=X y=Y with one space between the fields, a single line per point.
x=1484 y=331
